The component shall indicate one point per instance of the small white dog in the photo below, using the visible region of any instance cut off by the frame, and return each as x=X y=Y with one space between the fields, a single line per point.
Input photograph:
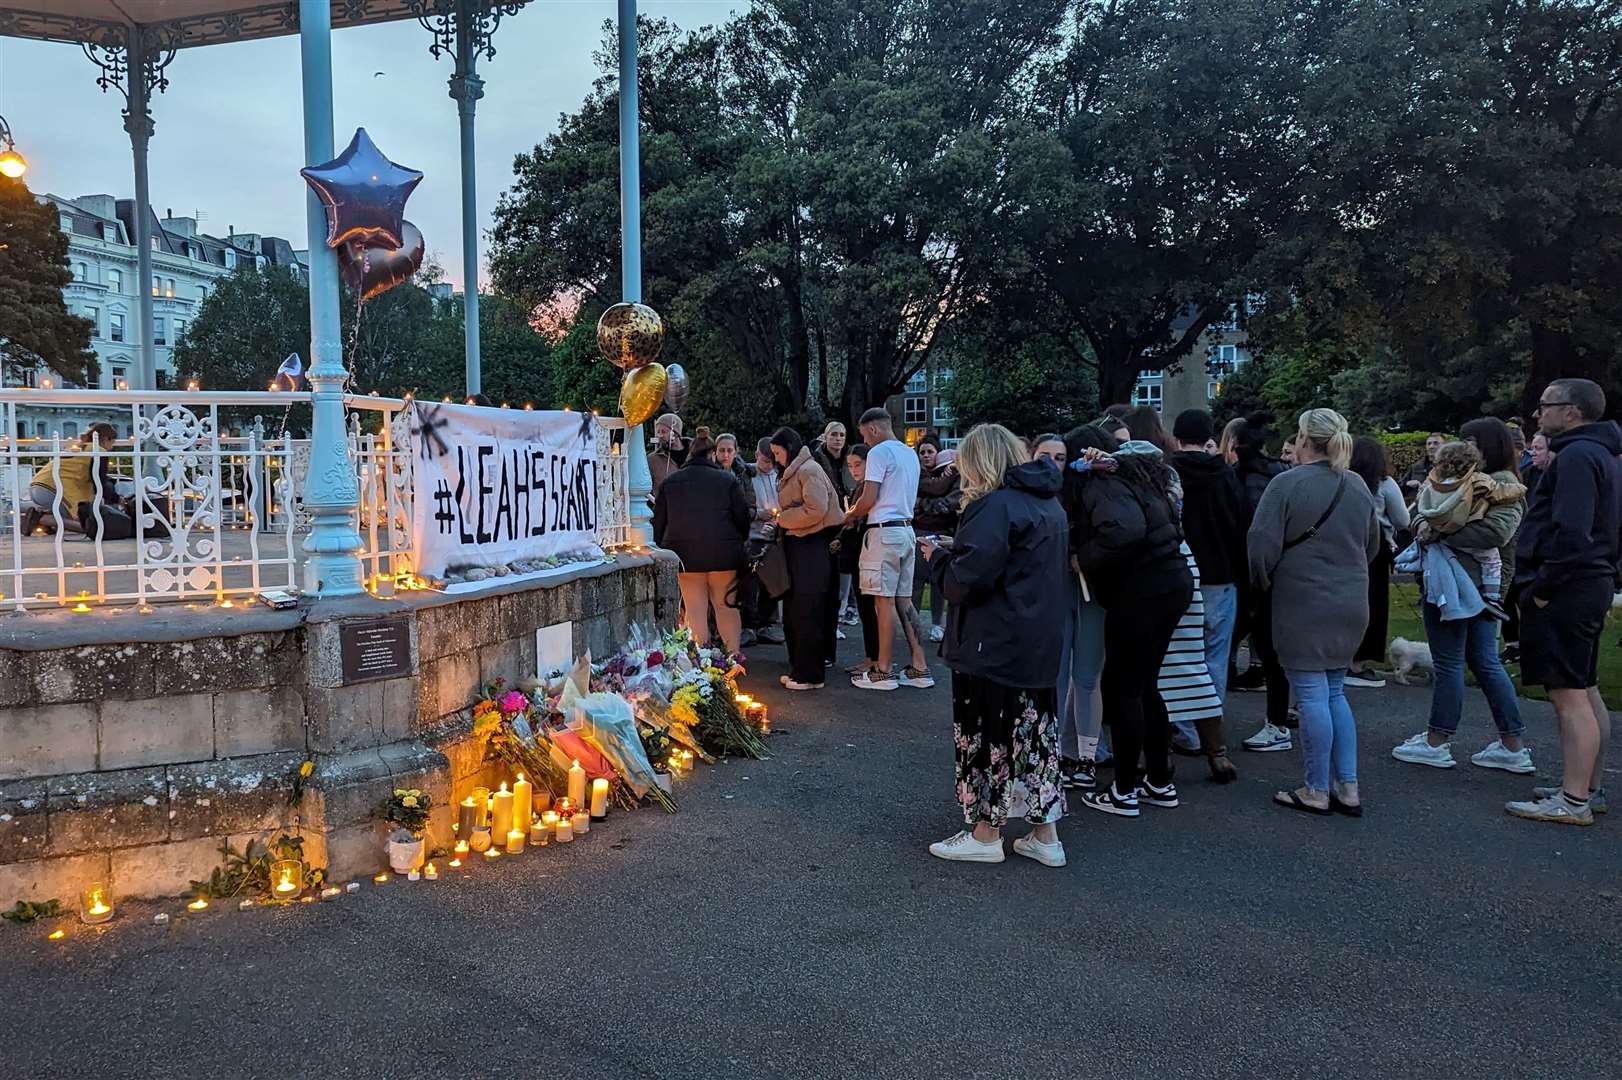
x=1409 y=658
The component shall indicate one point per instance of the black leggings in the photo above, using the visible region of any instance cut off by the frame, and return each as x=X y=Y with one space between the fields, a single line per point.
x=1136 y=634
x=867 y=607
x=1372 y=650
x=1261 y=640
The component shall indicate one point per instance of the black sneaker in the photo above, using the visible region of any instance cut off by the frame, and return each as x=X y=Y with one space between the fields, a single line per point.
x=1110 y=801
x=1075 y=773
x=1252 y=678
x=1163 y=797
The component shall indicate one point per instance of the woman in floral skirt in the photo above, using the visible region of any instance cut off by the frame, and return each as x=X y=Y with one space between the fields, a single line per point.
x=1003 y=576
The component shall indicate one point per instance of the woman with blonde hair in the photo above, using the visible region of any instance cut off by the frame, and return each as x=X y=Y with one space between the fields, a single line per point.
x=1003 y=575
x=1228 y=446
x=1311 y=542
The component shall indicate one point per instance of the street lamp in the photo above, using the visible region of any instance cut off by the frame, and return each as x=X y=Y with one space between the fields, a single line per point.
x=12 y=164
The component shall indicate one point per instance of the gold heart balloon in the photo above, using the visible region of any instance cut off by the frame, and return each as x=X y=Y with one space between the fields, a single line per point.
x=641 y=393
x=630 y=335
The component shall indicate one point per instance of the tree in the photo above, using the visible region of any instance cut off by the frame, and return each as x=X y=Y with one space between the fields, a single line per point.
x=247 y=324
x=36 y=328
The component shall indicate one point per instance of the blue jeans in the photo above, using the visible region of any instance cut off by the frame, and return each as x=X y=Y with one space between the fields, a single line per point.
x=1221 y=612
x=1455 y=643
x=1081 y=663
x=1328 y=733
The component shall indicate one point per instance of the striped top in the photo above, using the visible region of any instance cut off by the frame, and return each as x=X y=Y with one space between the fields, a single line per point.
x=1185 y=682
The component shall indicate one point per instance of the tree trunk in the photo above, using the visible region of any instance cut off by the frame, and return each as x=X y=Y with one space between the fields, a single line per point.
x=1118 y=369
x=1554 y=357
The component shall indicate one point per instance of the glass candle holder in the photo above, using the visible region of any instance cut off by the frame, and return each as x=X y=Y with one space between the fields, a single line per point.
x=286 y=878
x=96 y=904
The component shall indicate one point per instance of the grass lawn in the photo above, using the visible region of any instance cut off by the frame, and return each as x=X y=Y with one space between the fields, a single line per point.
x=1406 y=622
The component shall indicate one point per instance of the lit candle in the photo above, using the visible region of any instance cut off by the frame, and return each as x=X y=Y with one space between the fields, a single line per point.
x=515 y=841
x=481 y=802
x=460 y=850
x=492 y=853
x=455 y=864
x=285 y=885
x=161 y=919
x=599 y=799
x=57 y=935
x=549 y=826
x=577 y=784
x=467 y=817
x=501 y=821
x=95 y=907
x=537 y=833
x=245 y=905
x=381 y=879
x=414 y=875
x=565 y=831
x=523 y=803
x=581 y=823
x=198 y=904
x=431 y=872
x=331 y=892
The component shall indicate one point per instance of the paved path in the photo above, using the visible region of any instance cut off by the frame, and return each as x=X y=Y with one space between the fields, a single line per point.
x=789 y=923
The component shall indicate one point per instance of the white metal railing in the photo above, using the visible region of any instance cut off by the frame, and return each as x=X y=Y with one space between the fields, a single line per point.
x=205 y=514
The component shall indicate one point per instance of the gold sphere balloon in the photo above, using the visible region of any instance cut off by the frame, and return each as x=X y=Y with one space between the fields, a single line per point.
x=641 y=393
x=630 y=335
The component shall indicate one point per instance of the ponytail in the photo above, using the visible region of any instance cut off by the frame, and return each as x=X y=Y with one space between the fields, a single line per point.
x=1327 y=430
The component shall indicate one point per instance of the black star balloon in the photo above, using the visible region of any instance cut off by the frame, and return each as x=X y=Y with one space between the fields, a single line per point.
x=364 y=192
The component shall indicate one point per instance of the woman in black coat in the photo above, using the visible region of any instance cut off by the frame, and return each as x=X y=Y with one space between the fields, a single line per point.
x=700 y=513
x=1004 y=579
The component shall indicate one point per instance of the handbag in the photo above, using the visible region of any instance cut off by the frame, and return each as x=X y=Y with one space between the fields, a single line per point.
x=770 y=567
x=1330 y=509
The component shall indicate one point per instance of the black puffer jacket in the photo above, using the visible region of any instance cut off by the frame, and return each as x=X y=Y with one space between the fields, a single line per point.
x=1216 y=516
x=701 y=515
x=1004 y=580
x=1126 y=540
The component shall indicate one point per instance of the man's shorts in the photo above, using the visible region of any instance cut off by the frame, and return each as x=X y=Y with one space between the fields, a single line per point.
x=887 y=560
x=1560 y=643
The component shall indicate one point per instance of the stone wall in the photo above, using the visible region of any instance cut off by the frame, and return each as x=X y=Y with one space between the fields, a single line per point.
x=130 y=761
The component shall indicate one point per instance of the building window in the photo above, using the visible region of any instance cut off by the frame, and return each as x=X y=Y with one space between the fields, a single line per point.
x=919 y=382
x=94 y=315
x=160 y=331
x=41 y=430
x=943 y=412
x=943 y=378
x=230 y=259
x=914 y=410
x=115 y=326
x=157 y=285
x=170 y=291
x=1147 y=394
x=81 y=272
x=109 y=233
x=115 y=281
x=119 y=373
x=180 y=329
x=70 y=429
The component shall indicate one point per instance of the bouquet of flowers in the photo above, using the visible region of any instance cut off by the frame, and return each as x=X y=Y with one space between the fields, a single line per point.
x=704 y=697
x=408 y=808
x=517 y=724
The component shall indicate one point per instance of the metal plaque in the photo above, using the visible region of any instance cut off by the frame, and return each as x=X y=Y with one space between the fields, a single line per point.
x=375 y=649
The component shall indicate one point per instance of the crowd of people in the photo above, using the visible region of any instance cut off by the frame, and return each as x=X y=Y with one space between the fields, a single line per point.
x=1109 y=578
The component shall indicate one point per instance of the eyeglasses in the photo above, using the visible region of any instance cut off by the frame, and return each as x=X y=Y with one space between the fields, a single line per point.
x=1552 y=405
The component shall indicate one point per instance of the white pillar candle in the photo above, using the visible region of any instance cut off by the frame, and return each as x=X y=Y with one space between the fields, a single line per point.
x=577 y=784
x=523 y=803
x=501 y=819
x=565 y=831
x=599 y=799
x=515 y=841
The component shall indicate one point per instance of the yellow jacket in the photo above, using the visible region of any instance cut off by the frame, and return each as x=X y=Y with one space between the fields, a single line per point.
x=77 y=485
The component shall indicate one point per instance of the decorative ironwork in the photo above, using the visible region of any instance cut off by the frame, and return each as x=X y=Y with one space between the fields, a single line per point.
x=444 y=19
x=250 y=22
x=109 y=50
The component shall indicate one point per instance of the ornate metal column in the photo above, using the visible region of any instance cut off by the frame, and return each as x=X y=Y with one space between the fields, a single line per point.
x=132 y=62
x=465 y=29
x=332 y=494
x=631 y=252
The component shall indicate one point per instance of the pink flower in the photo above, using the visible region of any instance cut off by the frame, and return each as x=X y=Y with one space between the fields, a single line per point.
x=512 y=702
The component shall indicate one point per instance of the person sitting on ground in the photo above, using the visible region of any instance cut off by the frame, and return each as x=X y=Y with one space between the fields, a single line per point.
x=73 y=472
x=701 y=515
x=1456 y=493
x=1004 y=574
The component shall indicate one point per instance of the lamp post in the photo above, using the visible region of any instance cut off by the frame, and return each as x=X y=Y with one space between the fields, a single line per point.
x=12 y=164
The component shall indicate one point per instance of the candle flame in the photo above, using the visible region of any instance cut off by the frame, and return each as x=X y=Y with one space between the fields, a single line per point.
x=198 y=904
x=57 y=935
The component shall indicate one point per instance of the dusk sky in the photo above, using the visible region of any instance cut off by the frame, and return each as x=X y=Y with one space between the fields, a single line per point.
x=229 y=140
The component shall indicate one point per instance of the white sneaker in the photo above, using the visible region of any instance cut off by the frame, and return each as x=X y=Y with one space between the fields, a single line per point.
x=840 y=634
x=965 y=848
x=792 y=685
x=873 y=679
x=938 y=633
x=1499 y=756
x=1270 y=738
x=923 y=680
x=1418 y=751
x=1046 y=854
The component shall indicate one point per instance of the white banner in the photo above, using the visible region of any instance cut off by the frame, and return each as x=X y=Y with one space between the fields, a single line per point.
x=500 y=486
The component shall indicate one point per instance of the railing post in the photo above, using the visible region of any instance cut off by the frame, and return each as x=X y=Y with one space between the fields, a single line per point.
x=331 y=493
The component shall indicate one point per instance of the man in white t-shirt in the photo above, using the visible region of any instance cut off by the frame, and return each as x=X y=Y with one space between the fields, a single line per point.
x=889 y=550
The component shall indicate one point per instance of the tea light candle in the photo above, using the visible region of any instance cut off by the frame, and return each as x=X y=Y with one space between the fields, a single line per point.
x=352 y=887
x=331 y=892
x=245 y=905
x=198 y=904
x=549 y=826
x=577 y=785
x=161 y=919
x=467 y=817
x=94 y=906
x=381 y=879
x=501 y=820
x=414 y=875
x=537 y=833
x=599 y=799
x=523 y=803
x=492 y=853
x=580 y=823
x=515 y=841
x=565 y=831
x=431 y=872
x=460 y=850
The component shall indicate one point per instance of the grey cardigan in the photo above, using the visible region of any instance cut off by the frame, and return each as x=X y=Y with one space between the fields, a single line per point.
x=1320 y=587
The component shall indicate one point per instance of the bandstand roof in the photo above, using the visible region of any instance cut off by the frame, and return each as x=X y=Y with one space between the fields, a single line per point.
x=181 y=24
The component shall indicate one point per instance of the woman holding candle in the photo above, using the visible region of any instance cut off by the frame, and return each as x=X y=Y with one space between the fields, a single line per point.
x=1004 y=579
x=810 y=519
